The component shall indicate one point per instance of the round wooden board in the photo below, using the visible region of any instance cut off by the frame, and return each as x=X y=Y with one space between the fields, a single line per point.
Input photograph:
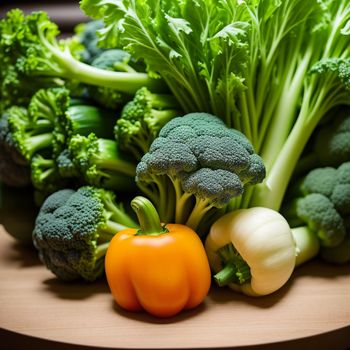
x=33 y=302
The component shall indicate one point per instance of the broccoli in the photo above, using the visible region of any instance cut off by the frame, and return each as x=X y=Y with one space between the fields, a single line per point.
x=69 y=117
x=197 y=164
x=14 y=170
x=100 y=162
x=87 y=36
x=141 y=120
x=321 y=200
x=118 y=61
x=30 y=52
x=329 y=145
x=73 y=230
x=25 y=136
x=66 y=166
x=45 y=175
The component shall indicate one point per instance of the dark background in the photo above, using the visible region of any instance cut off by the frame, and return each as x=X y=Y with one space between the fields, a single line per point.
x=65 y=13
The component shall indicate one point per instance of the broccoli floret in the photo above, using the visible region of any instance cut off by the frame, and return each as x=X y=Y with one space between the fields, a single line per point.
x=321 y=199
x=101 y=163
x=66 y=166
x=197 y=163
x=14 y=169
x=141 y=120
x=28 y=136
x=318 y=212
x=45 y=175
x=31 y=54
x=330 y=144
x=73 y=230
x=87 y=36
x=320 y=180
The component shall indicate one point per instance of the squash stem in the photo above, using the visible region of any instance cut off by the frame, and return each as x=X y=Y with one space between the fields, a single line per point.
x=148 y=217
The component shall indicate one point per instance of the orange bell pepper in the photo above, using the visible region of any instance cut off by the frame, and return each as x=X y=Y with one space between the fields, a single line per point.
x=162 y=269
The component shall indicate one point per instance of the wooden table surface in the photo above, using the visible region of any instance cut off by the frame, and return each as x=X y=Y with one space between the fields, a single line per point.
x=313 y=309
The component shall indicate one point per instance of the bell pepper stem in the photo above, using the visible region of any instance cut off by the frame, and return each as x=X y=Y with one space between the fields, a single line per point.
x=226 y=275
x=235 y=269
x=147 y=216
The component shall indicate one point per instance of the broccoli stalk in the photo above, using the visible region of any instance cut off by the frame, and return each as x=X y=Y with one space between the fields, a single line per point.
x=141 y=120
x=197 y=165
x=100 y=162
x=73 y=230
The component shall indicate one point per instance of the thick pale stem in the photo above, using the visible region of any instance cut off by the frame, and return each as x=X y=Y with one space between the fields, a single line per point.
x=307 y=244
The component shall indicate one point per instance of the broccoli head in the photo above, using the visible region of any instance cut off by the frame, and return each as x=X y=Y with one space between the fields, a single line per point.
x=329 y=145
x=87 y=36
x=321 y=200
x=100 y=162
x=14 y=169
x=141 y=120
x=25 y=136
x=73 y=230
x=197 y=163
x=332 y=142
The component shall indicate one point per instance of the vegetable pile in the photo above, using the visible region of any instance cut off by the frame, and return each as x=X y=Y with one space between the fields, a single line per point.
x=230 y=119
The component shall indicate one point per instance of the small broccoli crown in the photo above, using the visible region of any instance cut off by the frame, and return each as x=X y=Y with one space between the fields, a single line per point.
x=218 y=186
x=45 y=175
x=332 y=142
x=320 y=180
x=142 y=118
x=112 y=59
x=199 y=140
x=66 y=233
x=66 y=166
x=343 y=173
x=87 y=35
x=49 y=104
x=27 y=137
x=321 y=216
x=340 y=197
x=167 y=157
x=101 y=163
